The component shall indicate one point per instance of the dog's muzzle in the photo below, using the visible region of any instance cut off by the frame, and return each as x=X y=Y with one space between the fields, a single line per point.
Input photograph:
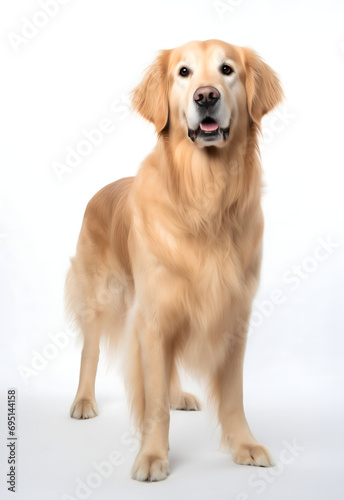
x=207 y=100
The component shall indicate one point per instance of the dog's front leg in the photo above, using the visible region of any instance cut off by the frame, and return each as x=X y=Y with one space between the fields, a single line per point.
x=228 y=387
x=151 y=463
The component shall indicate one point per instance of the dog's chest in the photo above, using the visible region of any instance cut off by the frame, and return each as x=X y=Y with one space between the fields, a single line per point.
x=188 y=279
x=200 y=280
x=214 y=283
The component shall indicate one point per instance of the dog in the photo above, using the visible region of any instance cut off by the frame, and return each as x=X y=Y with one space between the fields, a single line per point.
x=168 y=262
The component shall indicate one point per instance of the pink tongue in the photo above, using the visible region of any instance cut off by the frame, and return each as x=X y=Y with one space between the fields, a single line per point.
x=209 y=127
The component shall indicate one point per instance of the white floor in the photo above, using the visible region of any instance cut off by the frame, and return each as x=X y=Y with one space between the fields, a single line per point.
x=294 y=404
x=57 y=454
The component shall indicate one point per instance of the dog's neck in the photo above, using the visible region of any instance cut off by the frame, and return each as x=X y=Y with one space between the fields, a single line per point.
x=206 y=184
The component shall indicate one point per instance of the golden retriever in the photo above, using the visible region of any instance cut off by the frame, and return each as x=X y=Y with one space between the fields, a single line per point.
x=168 y=261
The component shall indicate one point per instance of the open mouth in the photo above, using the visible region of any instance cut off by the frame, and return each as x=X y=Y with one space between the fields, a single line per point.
x=209 y=125
x=208 y=130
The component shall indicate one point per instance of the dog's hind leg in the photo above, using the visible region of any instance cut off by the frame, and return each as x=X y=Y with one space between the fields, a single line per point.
x=84 y=405
x=180 y=400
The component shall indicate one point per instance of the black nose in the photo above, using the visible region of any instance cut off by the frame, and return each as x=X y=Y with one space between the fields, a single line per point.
x=206 y=96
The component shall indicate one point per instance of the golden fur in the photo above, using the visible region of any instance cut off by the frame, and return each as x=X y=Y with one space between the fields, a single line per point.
x=167 y=262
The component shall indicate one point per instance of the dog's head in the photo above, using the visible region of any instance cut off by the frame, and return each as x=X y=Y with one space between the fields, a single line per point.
x=206 y=90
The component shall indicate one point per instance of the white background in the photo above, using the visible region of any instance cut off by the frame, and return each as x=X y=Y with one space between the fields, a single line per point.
x=76 y=71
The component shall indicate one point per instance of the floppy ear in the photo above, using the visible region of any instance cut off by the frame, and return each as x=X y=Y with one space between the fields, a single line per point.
x=150 y=97
x=263 y=88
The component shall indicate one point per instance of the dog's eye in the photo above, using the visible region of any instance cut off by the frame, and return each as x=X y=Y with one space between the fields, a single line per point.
x=226 y=70
x=184 y=71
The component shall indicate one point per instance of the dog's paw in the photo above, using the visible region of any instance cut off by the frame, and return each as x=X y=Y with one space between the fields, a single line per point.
x=150 y=468
x=84 y=408
x=187 y=402
x=252 y=454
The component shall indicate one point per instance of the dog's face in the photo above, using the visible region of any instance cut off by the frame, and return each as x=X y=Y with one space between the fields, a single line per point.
x=206 y=90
